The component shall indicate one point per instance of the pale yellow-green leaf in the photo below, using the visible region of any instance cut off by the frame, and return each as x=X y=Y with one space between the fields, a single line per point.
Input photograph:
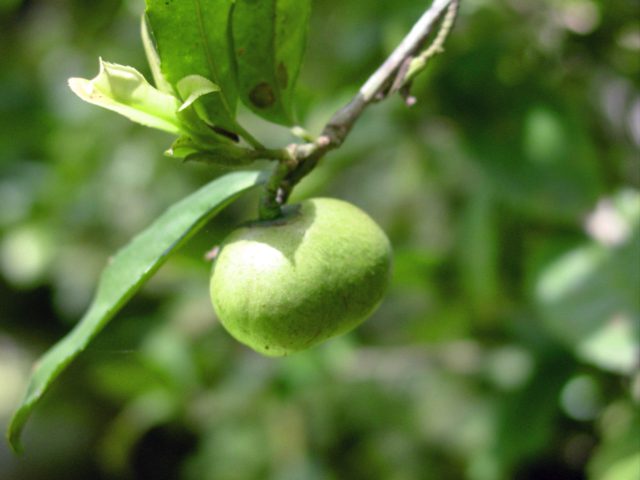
x=124 y=90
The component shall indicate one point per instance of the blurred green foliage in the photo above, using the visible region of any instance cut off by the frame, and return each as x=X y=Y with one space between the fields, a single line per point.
x=507 y=346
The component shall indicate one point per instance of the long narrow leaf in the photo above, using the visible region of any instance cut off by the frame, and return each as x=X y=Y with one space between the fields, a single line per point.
x=129 y=269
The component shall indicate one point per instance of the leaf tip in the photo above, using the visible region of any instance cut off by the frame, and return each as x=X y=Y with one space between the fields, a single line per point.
x=79 y=86
x=14 y=431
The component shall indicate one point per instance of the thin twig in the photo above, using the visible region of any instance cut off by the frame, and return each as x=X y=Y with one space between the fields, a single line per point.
x=304 y=157
x=407 y=48
x=436 y=47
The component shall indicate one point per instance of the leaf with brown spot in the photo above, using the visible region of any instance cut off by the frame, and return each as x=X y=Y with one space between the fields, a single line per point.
x=269 y=39
x=262 y=96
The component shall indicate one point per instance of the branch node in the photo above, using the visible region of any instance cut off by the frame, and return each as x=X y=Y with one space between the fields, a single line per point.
x=394 y=75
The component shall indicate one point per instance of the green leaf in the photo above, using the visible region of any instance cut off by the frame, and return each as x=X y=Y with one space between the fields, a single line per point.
x=127 y=271
x=589 y=297
x=193 y=87
x=222 y=155
x=192 y=38
x=227 y=155
x=269 y=40
x=125 y=91
x=183 y=147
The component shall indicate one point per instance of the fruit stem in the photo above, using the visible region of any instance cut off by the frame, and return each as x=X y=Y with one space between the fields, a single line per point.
x=274 y=194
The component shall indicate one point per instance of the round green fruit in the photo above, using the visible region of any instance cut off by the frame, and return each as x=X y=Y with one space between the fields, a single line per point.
x=318 y=271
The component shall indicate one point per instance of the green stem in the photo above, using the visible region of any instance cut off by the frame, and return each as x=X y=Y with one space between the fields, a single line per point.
x=272 y=197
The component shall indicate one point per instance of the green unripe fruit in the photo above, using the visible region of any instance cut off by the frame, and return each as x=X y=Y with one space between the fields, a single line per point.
x=282 y=286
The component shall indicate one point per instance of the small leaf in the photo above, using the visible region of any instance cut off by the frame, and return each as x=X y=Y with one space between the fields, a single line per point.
x=192 y=38
x=125 y=91
x=269 y=41
x=182 y=147
x=129 y=269
x=193 y=87
x=214 y=154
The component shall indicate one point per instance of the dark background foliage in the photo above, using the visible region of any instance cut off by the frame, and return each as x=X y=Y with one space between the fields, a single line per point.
x=507 y=346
